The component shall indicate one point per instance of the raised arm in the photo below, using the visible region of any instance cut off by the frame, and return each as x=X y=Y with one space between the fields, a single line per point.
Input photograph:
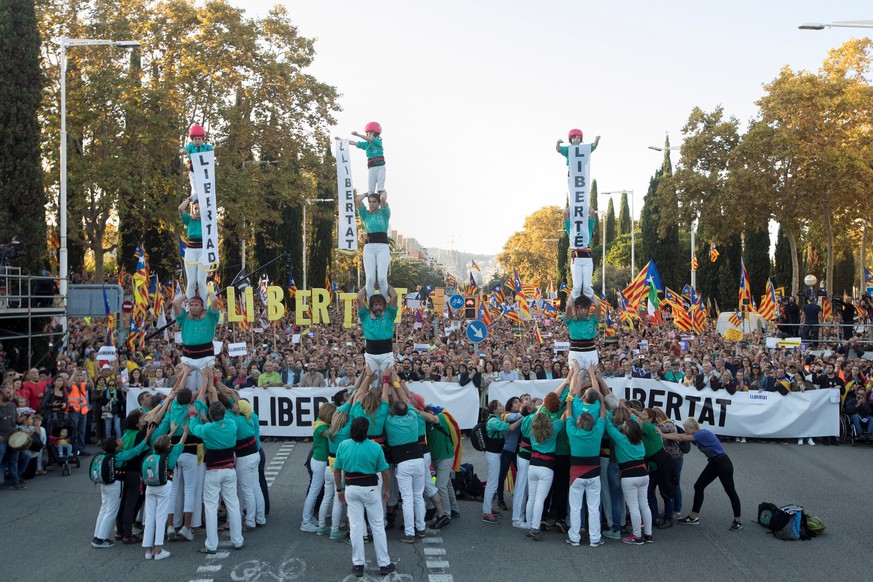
x=392 y=297
x=360 y=199
x=362 y=298
x=184 y=205
x=383 y=199
x=178 y=300
x=598 y=307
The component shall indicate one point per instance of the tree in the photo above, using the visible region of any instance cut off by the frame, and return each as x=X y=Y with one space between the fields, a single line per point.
x=596 y=236
x=782 y=263
x=22 y=197
x=661 y=245
x=844 y=273
x=532 y=251
x=727 y=281
x=323 y=239
x=756 y=256
x=610 y=223
x=624 y=217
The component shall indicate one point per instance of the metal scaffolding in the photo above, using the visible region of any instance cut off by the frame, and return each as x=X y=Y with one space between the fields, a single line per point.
x=34 y=299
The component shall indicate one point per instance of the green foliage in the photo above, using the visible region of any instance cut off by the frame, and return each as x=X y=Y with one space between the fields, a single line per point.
x=757 y=258
x=617 y=277
x=22 y=198
x=596 y=234
x=409 y=274
x=662 y=244
x=844 y=273
x=533 y=251
x=619 y=252
x=624 y=217
x=782 y=261
x=610 y=223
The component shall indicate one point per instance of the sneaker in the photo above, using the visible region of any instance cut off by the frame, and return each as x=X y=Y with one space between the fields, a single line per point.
x=240 y=547
x=338 y=535
x=161 y=555
x=810 y=442
x=612 y=534
x=632 y=540
x=18 y=486
x=648 y=539
x=665 y=524
x=561 y=525
x=489 y=518
x=137 y=531
x=149 y=554
x=420 y=533
x=186 y=534
x=171 y=533
x=308 y=528
x=429 y=514
x=534 y=534
x=322 y=531
x=571 y=542
x=502 y=505
x=519 y=524
x=677 y=515
x=358 y=571
x=407 y=539
x=736 y=526
x=800 y=441
x=385 y=570
x=97 y=543
x=599 y=542
x=442 y=522
x=688 y=520
x=456 y=514
x=205 y=550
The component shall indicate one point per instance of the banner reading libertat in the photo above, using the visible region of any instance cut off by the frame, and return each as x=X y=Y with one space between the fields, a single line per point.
x=579 y=157
x=347 y=227
x=203 y=177
x=814 y=413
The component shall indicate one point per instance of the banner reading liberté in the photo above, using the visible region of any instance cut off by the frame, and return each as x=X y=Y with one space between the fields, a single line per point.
x=203 y=177
x=347 y=226
x=291 y=412
x=579 y=157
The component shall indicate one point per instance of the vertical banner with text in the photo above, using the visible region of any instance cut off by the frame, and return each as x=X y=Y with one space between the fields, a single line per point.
x=347 y=228
x=580 y=162
x=203 y=175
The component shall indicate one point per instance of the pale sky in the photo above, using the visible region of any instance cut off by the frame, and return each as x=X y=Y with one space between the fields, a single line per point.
x=472 y=95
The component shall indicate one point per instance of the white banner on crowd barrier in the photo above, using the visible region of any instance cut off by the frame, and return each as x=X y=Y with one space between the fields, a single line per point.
x=745 y=414
x=291 y=412
x=347 y=227
x=579 y=157
x=203 y=175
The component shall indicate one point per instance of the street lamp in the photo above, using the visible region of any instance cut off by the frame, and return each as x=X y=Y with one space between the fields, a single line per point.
x=306 y=203
x=662 y=148
x=633 y=237
x=63 y=264
x=837 y=24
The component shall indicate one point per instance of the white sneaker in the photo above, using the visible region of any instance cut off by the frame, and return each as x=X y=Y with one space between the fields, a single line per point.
x=186 y=533
x=800 y=441
x=149 y=554
x=161 y=555
x=308 y=527
x=810 y=442
x=519 y=524
x=136 y=531
x=171 y=533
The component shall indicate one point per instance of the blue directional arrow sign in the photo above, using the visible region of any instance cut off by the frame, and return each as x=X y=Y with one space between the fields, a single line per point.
x=476 y=331
x=456 y=302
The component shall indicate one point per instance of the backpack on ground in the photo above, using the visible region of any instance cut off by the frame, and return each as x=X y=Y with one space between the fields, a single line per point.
x=765 y=513
x=467 y=484
x=788 y=522
x=815 y=525
x=154 y=470
x=102 y=469
x=479 y=437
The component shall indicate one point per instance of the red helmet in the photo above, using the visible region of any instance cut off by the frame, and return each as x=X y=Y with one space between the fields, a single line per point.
x=197 y=131
x=574 y=133
x=374 y=127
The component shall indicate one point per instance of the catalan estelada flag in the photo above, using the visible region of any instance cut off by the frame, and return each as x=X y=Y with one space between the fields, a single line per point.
x=713 y=252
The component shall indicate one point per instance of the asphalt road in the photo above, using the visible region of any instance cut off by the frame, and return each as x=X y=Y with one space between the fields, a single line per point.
x=47 y=529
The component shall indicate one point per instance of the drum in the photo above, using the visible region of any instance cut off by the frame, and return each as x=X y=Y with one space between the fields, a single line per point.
x=19 y=441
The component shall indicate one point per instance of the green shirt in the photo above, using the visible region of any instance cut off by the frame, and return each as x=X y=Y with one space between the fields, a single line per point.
x=439 y=439
x=377 y=421
x=269 y=379
x=216 y=435
x=550 y=444
x=373 y=148
x=121 y=457
x=582 y=329
x=402 y=430
x=592 y=222
x=652 y=441
x=195 y=227
x=624 y=450
x=585 y=443
x=178 y=415
x=365 y=457
x=381 y=328
x=197 y=332
x=496 y=428
x=565 y=151
x=319 y=443
x=244 y=427
x=375 y=221
x=343 y=434
x=193 y=149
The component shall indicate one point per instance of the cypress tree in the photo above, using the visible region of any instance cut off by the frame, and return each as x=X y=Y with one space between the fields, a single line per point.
x=757 y=258
x=624 y=217
x=323 y=239
x=782 y=262
x=668 y=254
x=596 y=236
x=22 y=196
x=844 y=273
x=610 y=223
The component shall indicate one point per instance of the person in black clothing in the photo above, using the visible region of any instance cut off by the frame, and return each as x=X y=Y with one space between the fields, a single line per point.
x=847 y=314
x=830 y=380
x=407 y=374
x=792 y=317
x=810 y=323
x=850 y=348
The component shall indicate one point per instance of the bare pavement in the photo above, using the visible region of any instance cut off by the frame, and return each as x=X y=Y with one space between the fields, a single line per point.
x=47 y=531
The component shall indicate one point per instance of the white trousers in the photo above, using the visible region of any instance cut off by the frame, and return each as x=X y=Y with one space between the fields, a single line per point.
x=377 y=257
x=221 y=482
x=195 y=275
x=583 y=359
x=410 y=481
x=379 y=363
x=430 y=489
x=582 y=272
x=249 y=488
x=369 y=499
x=188 y=478
x=375 y=179
x=636 y=497
x=158 y=500
x=539 y=481
x=519 y=498
x=590 y=488
x=110 y=499
x=330 y=503
x=492 y=460
x=318 y=476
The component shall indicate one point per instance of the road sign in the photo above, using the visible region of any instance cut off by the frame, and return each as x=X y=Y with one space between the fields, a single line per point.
x=456 y=301
x=88 y=300
x=476 y=331
x=127 y=306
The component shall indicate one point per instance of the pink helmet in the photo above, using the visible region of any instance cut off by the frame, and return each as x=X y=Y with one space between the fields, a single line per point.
x=373 y=126
x=575 y=133
x=197 y=131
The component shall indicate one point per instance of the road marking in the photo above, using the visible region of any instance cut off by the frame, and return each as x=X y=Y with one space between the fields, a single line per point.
x=428 y=551
x=277 y=462
x=432 y=540
x=201 y=580
x=215 y=568
x=437 y=564
x=440 y=578
x=217 y=556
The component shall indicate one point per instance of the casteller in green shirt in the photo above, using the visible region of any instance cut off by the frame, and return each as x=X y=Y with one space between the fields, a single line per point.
x=365 y=457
